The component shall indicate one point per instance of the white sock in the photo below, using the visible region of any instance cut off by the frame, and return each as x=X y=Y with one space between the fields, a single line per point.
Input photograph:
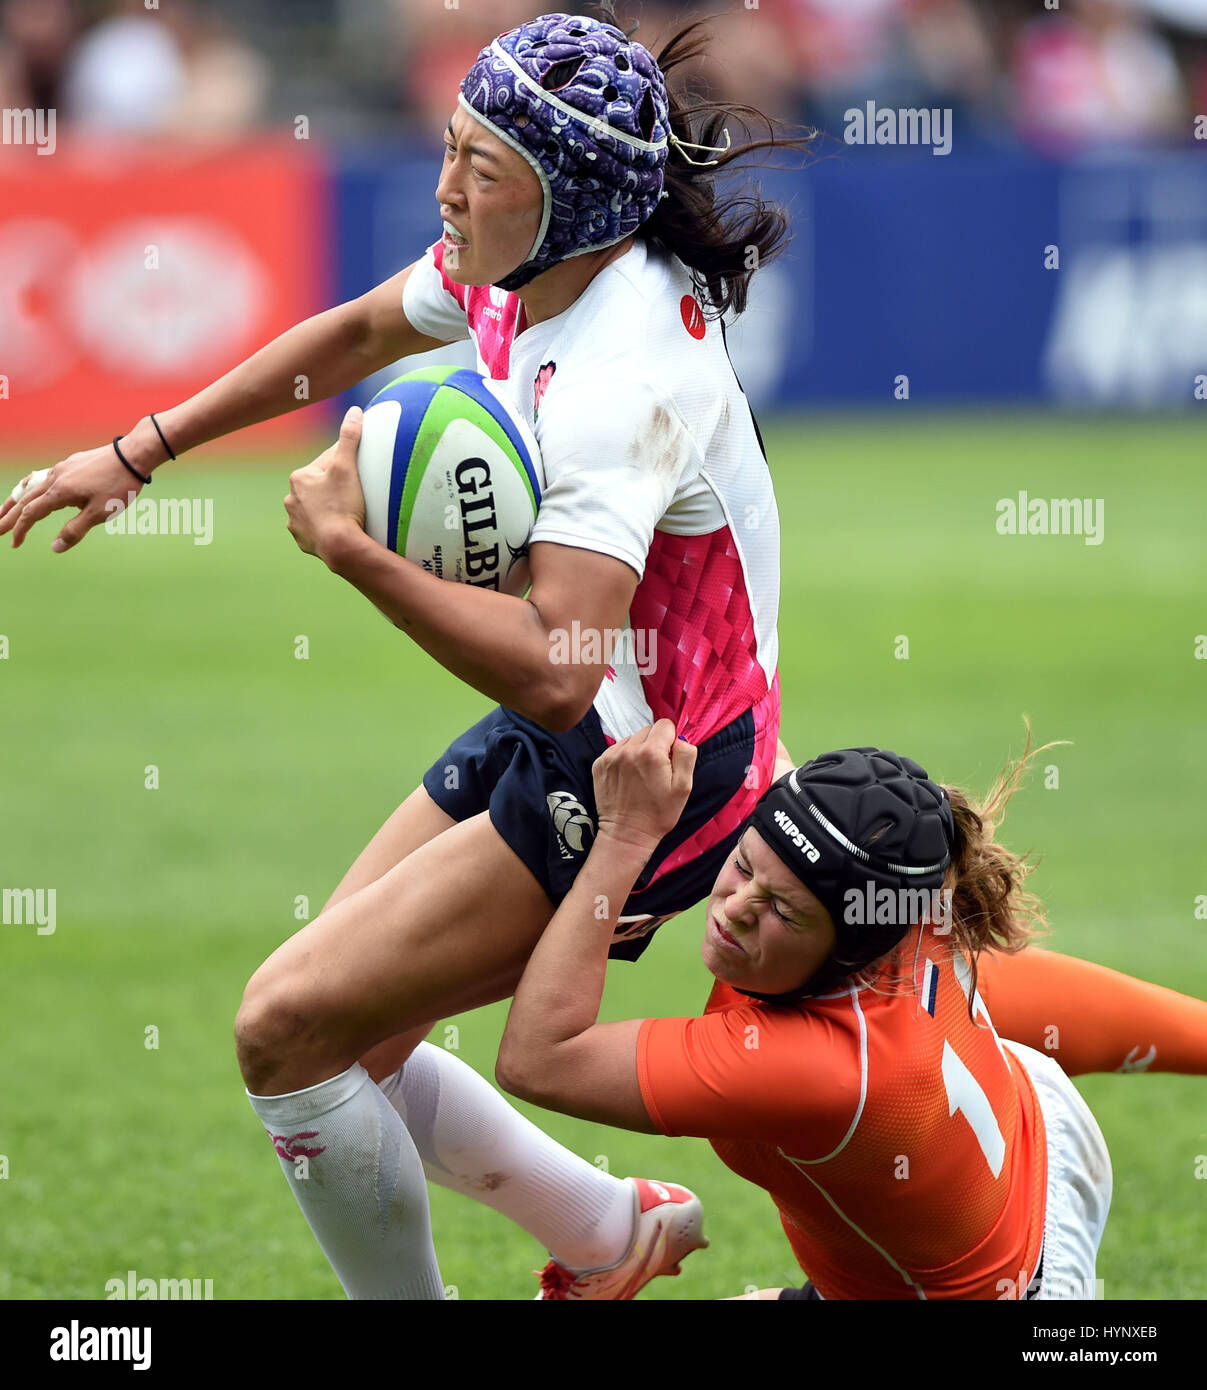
x=473 y=1141
x=364 y=1195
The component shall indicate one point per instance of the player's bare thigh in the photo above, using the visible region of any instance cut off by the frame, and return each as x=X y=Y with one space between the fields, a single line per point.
x=447 y=929
x=416 y=821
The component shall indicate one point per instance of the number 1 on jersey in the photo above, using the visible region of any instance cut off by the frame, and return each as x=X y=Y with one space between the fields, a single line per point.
x=965 y=1094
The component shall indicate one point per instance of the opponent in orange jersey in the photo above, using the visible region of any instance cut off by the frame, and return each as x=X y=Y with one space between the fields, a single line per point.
x=846 y=1061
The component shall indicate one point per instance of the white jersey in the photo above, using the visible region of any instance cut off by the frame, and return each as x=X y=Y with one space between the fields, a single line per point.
x=651 y=455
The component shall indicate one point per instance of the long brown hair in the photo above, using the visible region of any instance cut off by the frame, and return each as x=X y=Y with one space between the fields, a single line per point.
x=991 y=907
x=721 y=241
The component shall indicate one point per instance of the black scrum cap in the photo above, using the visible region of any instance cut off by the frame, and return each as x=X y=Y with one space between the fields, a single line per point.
x=853 y=823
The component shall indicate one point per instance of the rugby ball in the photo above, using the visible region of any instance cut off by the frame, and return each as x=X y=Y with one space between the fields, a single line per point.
x=452 y=477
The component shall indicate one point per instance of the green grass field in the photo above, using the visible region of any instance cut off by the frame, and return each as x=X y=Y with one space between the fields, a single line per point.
x=273 y=773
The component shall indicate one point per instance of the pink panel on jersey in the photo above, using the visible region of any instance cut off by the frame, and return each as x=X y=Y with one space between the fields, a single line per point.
x=766 y=738
x=493 y=325
x=693 y=596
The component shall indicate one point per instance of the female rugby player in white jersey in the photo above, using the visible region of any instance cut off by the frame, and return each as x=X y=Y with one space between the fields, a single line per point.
x=587 y=253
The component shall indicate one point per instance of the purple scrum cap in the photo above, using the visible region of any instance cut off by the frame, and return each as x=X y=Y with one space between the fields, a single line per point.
x=587 y=109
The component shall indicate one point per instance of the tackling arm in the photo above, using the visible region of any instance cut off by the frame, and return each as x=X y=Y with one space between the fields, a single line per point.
x=554 y=1051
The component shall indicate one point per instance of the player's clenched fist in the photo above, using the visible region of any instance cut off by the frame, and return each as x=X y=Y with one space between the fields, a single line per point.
x=642 y=784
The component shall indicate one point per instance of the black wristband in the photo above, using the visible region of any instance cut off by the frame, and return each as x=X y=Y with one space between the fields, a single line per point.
x=142 y=477
x=162 y=440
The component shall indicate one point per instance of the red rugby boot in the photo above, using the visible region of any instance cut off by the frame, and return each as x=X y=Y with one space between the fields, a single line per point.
x=668 y=1224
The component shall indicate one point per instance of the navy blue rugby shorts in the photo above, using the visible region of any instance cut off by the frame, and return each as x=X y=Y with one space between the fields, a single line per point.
x=538 y=790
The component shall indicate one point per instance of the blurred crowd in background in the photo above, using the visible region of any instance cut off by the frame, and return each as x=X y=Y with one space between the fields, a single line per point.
x=1084 y=75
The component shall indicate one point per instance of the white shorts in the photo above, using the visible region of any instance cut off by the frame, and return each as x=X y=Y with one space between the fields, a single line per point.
x=1079 y=1181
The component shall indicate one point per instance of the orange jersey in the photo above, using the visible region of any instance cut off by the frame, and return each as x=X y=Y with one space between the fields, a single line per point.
x=902 y=1143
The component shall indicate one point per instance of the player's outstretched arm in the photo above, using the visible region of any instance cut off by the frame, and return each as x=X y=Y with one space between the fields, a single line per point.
x=331 y=351
x=1090 y=1018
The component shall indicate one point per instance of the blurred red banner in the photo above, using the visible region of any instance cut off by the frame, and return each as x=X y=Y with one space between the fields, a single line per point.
x=133 y=275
